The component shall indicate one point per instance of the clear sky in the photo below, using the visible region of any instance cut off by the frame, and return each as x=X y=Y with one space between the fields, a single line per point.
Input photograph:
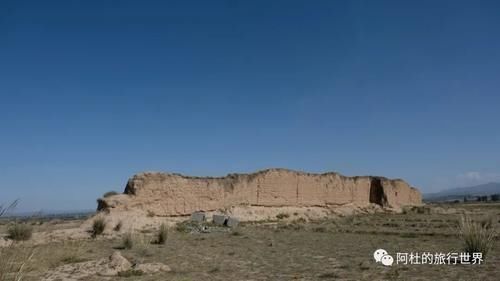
x=92 y=92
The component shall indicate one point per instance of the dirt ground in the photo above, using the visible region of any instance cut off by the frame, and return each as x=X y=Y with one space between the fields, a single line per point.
x=288 y=249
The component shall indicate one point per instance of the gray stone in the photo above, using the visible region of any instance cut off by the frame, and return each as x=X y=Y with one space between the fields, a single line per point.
x=219 y=219
x=150 y=268
x=198 y=216
x=232 y=222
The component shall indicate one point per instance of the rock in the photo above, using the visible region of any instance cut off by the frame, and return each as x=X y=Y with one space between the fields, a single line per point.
x=166 y=194
x=198 y=217
x=232 y=222
x=365 y=265
x=150 y=268
x=204 y=229
x=5 y=242
x=106 y=267
x=219 y=219
x=118 y=262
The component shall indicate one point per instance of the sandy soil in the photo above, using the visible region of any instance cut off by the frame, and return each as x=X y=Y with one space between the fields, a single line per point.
x=290 y=248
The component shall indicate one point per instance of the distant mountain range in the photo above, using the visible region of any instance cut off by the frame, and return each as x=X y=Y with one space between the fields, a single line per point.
x=459 y=193
x=50 y=214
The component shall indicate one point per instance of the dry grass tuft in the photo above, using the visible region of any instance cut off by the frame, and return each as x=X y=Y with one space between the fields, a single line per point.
x=71 y=252
x=13 y=260
x=281 y=216
x=162 y=235
x=20 y=232
x=118 y=226
x=128 y=240
x=478 y=237
x=130 y=273
x=98 y=227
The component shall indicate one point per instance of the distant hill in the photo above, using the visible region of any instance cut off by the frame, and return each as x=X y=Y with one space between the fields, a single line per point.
x=459 y=193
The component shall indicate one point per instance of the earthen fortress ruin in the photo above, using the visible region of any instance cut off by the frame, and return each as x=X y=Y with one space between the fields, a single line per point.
x=166 y=194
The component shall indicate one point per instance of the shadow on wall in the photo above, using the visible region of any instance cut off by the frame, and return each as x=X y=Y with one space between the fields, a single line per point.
x=377 y=194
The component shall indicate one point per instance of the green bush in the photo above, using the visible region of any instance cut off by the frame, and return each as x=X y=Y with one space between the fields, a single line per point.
x=20 y=232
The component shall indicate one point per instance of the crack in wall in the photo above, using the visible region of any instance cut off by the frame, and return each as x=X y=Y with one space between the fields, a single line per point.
x=297 y=190
x=258 y=190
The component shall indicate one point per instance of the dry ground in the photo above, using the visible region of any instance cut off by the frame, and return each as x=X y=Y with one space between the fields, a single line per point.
x=336 y=249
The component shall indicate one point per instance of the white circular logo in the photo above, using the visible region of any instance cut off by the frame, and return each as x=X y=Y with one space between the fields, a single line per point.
x=387 y=260
x=378 y=254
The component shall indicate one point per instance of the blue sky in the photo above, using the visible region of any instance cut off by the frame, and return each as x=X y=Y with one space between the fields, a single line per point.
x=95 y=91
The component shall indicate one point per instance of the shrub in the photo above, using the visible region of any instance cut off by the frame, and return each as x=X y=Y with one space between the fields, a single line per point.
x=281 y=216
x=130 y=273
x=98 y=226
x=236 y=233
x=13 y=260
x=214 y=270
x=416 y=210
x=162 y=234
x=478 y=237
x=290 y=226
x=320 y=229
x=182 y=227
x=72 y=259
x=20 y=232
x=299 y=220
x=128 y=241
x=118 y=226
x=329 y=275
x=188 y=226
x=71 y=251
x=110 y=193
